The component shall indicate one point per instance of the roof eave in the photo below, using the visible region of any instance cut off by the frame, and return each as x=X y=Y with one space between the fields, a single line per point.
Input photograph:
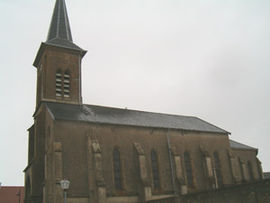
x=247 y=149
x=30 y=127
x=39 y=54
x=225 y=131
x=28 y=166
x=44 y=45
x=78 y=49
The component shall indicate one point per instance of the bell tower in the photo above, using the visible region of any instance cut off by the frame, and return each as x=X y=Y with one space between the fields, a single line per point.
x=58 y=62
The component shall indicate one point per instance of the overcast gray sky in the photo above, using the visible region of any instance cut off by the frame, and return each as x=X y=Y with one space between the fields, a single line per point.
x=208 y=59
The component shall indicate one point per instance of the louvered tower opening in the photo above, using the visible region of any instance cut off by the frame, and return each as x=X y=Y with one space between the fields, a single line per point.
x=58 y=84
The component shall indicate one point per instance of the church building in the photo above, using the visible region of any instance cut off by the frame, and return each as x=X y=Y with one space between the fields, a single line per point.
x=118 y=155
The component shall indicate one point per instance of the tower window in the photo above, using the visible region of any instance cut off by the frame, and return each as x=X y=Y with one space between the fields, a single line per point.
x=62 y=84
x=188 y=167
x=66 y=84
x=155 y=171
x=117 y=169
x=58 y=84
x=217 y=169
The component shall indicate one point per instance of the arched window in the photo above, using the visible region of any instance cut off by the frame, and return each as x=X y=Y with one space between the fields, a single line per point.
x=217 y=169
x=155 y=171
x=188 y=167
x=117 y=169
x=58 y=83
x=67 y=84
x=250 y=171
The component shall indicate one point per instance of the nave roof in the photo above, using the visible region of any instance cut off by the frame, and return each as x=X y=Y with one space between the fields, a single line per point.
x=118 y=116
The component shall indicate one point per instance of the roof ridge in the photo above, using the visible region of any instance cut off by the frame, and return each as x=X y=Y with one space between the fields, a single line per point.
x=112 y=107
x=168 y=114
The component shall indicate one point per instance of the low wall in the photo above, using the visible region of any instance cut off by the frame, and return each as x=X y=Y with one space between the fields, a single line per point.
x=256 y=192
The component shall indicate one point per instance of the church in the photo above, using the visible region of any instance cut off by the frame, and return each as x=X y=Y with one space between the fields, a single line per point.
x=119 y=155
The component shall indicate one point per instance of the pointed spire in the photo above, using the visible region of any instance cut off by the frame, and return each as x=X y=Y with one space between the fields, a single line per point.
x=60 y=27
x=60 y=32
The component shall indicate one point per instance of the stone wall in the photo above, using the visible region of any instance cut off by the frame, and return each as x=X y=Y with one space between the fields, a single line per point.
x=135 y=145
x=256 y=192
x=83 y=153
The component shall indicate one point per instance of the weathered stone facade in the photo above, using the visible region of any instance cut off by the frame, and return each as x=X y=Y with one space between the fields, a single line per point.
x=119 y=155
x=82 y=153
x=255 y=192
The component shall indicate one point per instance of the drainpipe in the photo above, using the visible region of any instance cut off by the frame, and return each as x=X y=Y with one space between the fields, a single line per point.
x=171 y=161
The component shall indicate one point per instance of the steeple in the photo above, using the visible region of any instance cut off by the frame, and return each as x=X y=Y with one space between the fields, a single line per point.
x=58 y=62
x=60 y=33
x=60 y=27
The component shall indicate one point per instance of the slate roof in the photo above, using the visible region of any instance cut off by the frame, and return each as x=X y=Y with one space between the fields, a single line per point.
x=237 y=145
x=60 y=32
x=109 y=115
x=63 y=43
